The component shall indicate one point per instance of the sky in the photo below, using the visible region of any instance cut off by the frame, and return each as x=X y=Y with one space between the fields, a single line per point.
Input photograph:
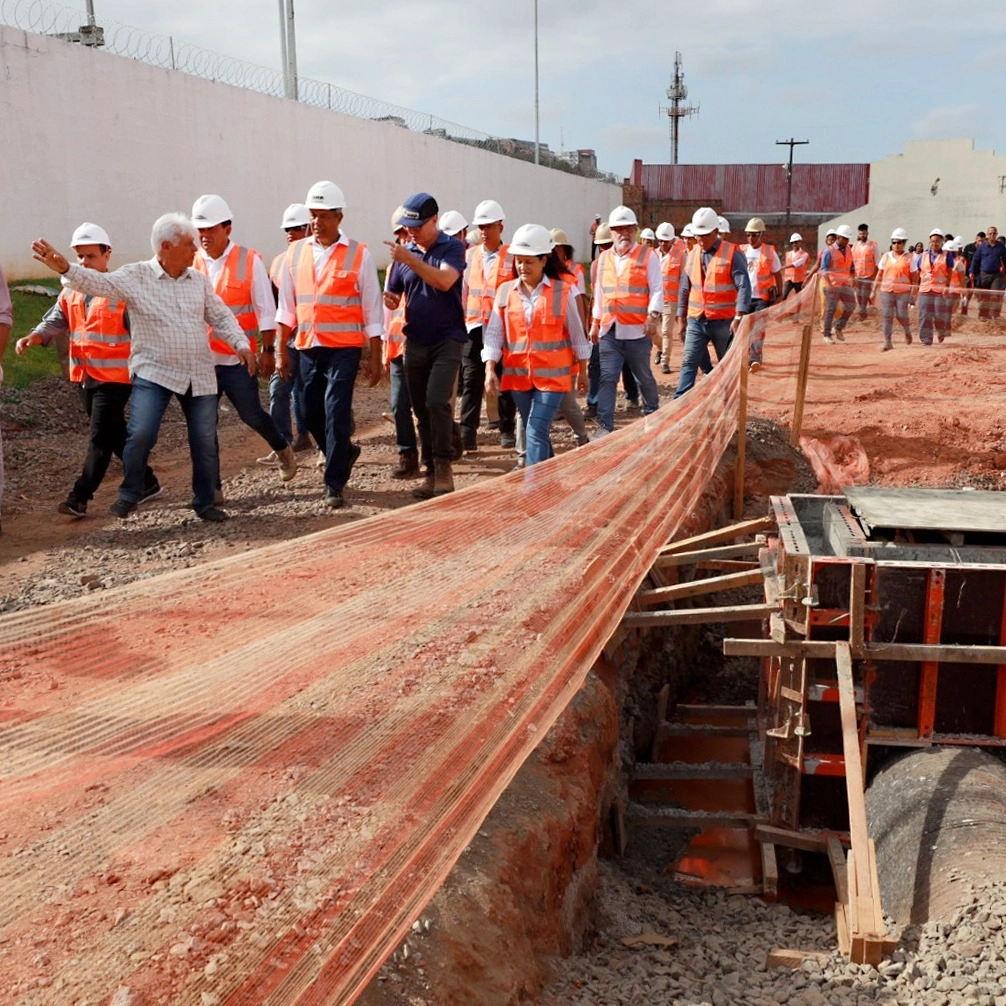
x=857 y=79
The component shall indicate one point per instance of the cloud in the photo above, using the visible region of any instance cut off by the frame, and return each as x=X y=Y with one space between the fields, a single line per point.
x=948 y=122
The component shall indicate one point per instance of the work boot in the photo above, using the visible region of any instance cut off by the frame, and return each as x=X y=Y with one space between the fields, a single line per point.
x=408 y=465
x=287 y=462
x=443 y=478
x=425 y=491
x=302 y=442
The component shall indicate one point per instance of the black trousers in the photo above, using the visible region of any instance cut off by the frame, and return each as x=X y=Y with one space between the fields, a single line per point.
x=431 y=373
x=471 y=382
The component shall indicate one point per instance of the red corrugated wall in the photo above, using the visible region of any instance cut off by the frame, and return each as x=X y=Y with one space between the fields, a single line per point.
x=761 y=188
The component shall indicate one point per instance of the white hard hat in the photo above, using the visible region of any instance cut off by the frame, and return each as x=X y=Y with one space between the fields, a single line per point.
x=793 y=238
x=755 y=226
x=452 y=222
x=936 y=232
x=832 y=233
x=488 y=212
x=560 y=237
x=844 y=231
x=296 y=215
x=325 y=196
x=646 y=234
x=704 y=221
x=687 y=232
x=722 y=225
x=531 y=239
x=208 y=211
x=396 y=220
x=622 y=216
x=603 y=235
x=89 y=234
x=665 y=232
x=899 y=234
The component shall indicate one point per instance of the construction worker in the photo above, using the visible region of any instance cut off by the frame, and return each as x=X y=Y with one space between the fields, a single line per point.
x=894 y=280
x=296 y=224
x=672 y=258
x=934 y=268
x=837 y=273
x=715 y=293
x=330 y=295
x=487 y=265
x=988 y=272
x=454 y=225
x=593 y=235
x=864 y=260
x=765 y=276
x=98 y=331
x=795 y=270
x=602 y=241
x=394 y=364
x=240 y=279
x=648 y=237
x=628 y=303
x=428 y=272
x=536 y=332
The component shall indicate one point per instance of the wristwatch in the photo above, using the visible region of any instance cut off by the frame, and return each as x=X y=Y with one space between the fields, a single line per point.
x=268 y=349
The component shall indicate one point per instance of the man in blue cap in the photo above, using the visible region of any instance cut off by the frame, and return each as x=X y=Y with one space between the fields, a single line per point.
x=428 y=270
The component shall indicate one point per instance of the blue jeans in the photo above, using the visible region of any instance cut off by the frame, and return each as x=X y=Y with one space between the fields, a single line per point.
x=328 y=374
x=146 y=410
x=593 y=375
x=833 y=296
x=894 y=305
x=537 y=409
x=934 y=314
x=401 y=406
x=699 y=332
x=241 y=388
x=284 y=393
x=615 y=354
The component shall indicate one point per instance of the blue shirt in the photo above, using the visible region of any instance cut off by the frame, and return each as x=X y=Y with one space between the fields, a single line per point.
x=988 y=258
x=431 y=315
x=738 y=272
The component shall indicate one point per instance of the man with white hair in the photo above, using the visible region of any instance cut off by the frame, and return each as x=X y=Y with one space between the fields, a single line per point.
x=170 y=304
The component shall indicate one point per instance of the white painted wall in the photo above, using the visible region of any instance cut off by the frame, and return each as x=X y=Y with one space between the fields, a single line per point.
x=93 y=136
x=967 y=199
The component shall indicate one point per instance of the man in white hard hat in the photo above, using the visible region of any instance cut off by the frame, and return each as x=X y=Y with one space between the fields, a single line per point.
x=287 y=392
x=795 y=270
x=170 y=305
x=935 y=267
x=428 y=272
x=838 y=274
x=672 y=257
x=628 y=303
x=765 y=276
x=239 y=278
x=454 y=224
x=330 y=296
x=593 y=234
x=487 y=266
x=647 y=236
x=98 y=331
x=715 y=293
x=864 y=260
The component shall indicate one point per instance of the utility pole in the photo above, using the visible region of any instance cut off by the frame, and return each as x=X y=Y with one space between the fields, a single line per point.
x=537 y=145
x=791 y=143
x=288 y=48
x=676 y=94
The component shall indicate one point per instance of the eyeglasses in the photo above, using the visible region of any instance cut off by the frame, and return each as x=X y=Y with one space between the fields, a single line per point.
x=899 y=241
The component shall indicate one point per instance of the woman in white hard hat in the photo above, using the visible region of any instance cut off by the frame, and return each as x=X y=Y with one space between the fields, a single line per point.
x=795 y=270
x=535 y=328
x=648 y=236
x=895 y=276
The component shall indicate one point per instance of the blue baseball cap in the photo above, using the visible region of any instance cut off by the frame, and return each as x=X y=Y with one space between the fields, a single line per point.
x=417 y=209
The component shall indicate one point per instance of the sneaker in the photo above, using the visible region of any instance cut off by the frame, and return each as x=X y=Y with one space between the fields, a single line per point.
x=271 y=460
x=886 y=346
x=520 y=464
x=754 y=366
x=151 y=492
x=334 y=500
x=601 y=431
x=213 y=514
x=319 y=461
x=660 y=357
x=287 y=461
x=829 y=340
x=122 y=508
x=664 y=369
x=73 y=507
x=839 y=335
x=354 y=455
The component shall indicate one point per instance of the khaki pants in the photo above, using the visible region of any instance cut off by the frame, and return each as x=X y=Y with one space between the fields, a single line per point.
x=667 y=321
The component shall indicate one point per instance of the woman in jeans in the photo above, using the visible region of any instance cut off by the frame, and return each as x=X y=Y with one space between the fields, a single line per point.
x=895 y=277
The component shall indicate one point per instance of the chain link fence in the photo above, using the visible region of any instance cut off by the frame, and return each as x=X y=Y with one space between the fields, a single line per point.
x=57 y=20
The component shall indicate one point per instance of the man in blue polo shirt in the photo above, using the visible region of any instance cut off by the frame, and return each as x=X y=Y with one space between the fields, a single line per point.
x=988 y=272
x=428 y=271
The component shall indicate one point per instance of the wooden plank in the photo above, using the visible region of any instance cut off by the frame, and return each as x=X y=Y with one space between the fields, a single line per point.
x=695 y=588
x=725 y=565
x=842 y=928
x=701 y=555
x=808 y=841
x=878 y=915
x=769 y=870
x=742 y=441
x=858 y=834
x=836 y=859
x=784 y=958
x=698 y=616
x=929 y=672
x=943 y=653
x=716 y=537
x=999 y=720
x=857 y=606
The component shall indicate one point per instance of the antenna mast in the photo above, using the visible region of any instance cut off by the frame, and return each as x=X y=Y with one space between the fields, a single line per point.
x=677 y=93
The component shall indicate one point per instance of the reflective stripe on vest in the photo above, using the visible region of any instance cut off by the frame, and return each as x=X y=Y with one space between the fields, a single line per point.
x=396 y=331
x=765 y=277
x=481 y=288
x=670 y=269
x=864 y=258
x=625 y=299
x=715 y=295
x=934 y=277
x=233 y=285
x=841 y=264
x=897 y=276
x=99 y=340
x=540 y=355
x=329 y=308
x=796 y=270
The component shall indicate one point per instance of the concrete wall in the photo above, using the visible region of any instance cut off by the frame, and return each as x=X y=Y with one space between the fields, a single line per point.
x=968 y=196
x=93 y=136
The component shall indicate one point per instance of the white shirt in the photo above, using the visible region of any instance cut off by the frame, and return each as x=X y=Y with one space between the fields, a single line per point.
x=167 y=321
x=753 y=256
x=370 y=289
x=487 y=263
x=654 y=280
x=263 y=302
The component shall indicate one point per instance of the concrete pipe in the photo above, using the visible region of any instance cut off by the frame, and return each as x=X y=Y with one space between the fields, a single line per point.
x=938 y=818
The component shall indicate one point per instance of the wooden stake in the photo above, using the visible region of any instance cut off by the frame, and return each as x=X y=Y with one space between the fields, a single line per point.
x=803 y=370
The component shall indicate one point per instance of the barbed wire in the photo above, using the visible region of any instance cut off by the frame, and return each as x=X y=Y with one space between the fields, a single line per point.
x=42 y=17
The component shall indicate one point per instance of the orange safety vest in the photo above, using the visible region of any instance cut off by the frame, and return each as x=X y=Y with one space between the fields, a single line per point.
x=579 y=275
x=841 y=265
x=864 y=258
x=276 y=269
x=794 y=271
x=481 y=288
x=396 y=331
x=540 y=356
x=331 y=308
x=625 y=299
x=959 y=273
x=234 y=287
x=934 y=277
x=765 y=276
x=99 y=339
x=670 y=269
x=713 y=295
x=897 y=271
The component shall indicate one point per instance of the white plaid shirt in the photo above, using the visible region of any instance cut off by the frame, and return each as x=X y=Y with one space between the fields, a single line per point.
x=167 y=320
